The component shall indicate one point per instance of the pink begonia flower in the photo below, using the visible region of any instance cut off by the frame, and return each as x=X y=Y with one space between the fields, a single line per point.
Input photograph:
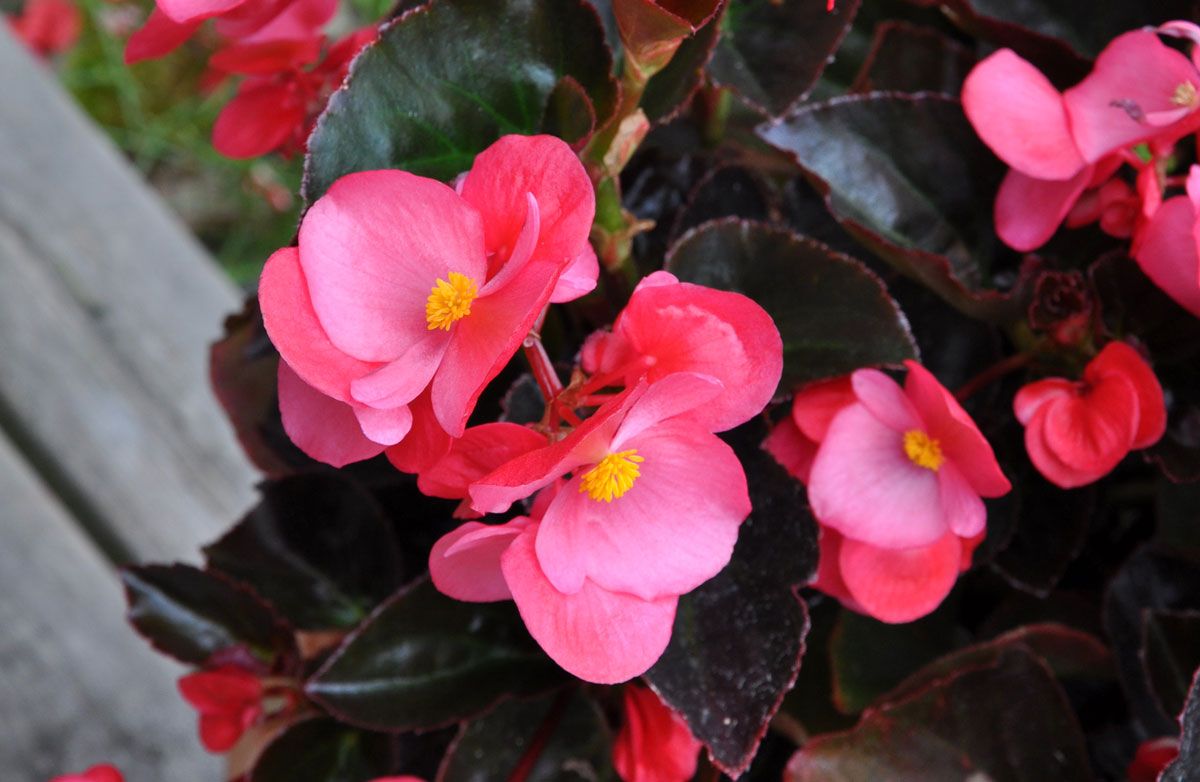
x=174 y=21
x=654 y=744
x=1168 y=247
x=102 y=773
x=477 y=453
x=901 y=468
x=650 y=511
x=228 y=699
x=654 y=502
x=405 y=298
x=287 y=85
x=47 y=26
x=793 y=441
x=670 y=326
x=1077 y=432
x=891 y=585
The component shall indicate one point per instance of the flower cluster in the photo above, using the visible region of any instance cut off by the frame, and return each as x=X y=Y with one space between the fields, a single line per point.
x=1069 y=152
x=405 y=298
x=895 y=478
x=47 y=27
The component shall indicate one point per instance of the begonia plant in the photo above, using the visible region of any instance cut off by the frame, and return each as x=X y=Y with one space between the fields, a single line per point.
x=668 y=390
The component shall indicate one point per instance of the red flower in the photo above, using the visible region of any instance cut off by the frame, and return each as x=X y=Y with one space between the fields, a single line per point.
x=654 y=744
x=229 y=700
x=1077 y=431
x=103 y=773
x=1151 y=758
x=48 y=26
x=250 y=21
x=278 y=102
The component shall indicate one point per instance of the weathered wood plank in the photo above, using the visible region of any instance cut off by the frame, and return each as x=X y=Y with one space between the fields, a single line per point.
x=77 y=686
x=107 y=307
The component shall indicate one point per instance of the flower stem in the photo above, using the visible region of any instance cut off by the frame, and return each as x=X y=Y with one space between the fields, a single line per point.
x=541 y=738
x=991 y=375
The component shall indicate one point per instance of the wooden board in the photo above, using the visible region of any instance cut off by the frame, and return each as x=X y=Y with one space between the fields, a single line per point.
x=107 y=308
x=77 y=686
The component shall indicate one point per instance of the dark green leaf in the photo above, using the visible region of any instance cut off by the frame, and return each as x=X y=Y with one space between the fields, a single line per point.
x=317 y=547
x=725 y=191
x=446 y=80
x=1171 y=649
x=834 y=314
x=772 y=53
x=423 y=660
x=907 y=176
x=1005 y=720
x=191 y=614
x=668 y=91
x=736 y=646
x=908 y=58
x=578 y=746
x=322 y=750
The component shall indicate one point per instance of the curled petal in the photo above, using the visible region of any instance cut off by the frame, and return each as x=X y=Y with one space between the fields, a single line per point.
x=900 y=585
x=465 y=563
x=321 y=426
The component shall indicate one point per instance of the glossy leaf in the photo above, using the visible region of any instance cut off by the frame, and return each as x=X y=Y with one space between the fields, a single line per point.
x=736 y=647
x=909 y=58
x=650 y=29
x=772 y=53
x=1004 y=720
x=1171 y=651
x=423 y=660
x=578 y=747
x=725 y=191
x=446 y=80
x=669 y=90
x=192 y=615
x=833 y=313
x=322 y=750
x=1186 y=767
x=907 y=176
x=317 y=547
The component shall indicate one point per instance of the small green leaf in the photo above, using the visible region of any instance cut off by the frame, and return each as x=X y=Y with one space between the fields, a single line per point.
x=833 y=313
x=447 y=79
x=423 y=661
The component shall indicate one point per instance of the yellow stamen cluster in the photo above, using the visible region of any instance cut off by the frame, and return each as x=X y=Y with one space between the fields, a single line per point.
x=1185 y=95
x=922 y=450
x=450 y=301
x=613 y=476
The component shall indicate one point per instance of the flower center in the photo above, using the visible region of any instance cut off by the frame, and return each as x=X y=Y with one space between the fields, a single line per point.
x=1184 y=95
x=613 y=476
x=450 y=301
x=922 y=450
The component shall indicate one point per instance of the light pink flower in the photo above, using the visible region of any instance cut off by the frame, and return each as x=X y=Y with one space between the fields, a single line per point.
x=670 y=326
x=793 y=442
x=405 y=298
x=1168 y=246
x=900 y=468
x=654 y=743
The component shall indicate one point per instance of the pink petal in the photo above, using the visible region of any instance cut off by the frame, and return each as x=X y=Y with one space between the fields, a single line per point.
x=372 y=249
x=386 y=427
x=481 y=450
x=524 y=475
x=260 y=118
x=670 y=532
x=900 y=585
x=289 y=20
x=182 y=11
x=399 y=382
x=788 y=446
x=1120 y=358
x=324 y=428
x=1018 y=113
x=654 y=743
x=669 y=326
x=425 y=443
x=522 y=250
x=293 y=327
x=815 y=405
x=828 y=578
x=546 y=167
x=885 y=400
x=1094 y=430
x=961 y=441
x=1136 y=74
x=465 y=563
x=1028 y=211
x=961 y=506
x=1048 y=463
x=579 y=278
x=158 y=36
x=600 y=636
x=863 y=485
x=1167 y=252
x=677 y=395
x=484 y=341
x=1032 y=396
x=267 y=58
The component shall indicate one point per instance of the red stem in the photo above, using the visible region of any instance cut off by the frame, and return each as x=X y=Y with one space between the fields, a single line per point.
x=992 y=374
x=543 y=370
x=540 y=739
